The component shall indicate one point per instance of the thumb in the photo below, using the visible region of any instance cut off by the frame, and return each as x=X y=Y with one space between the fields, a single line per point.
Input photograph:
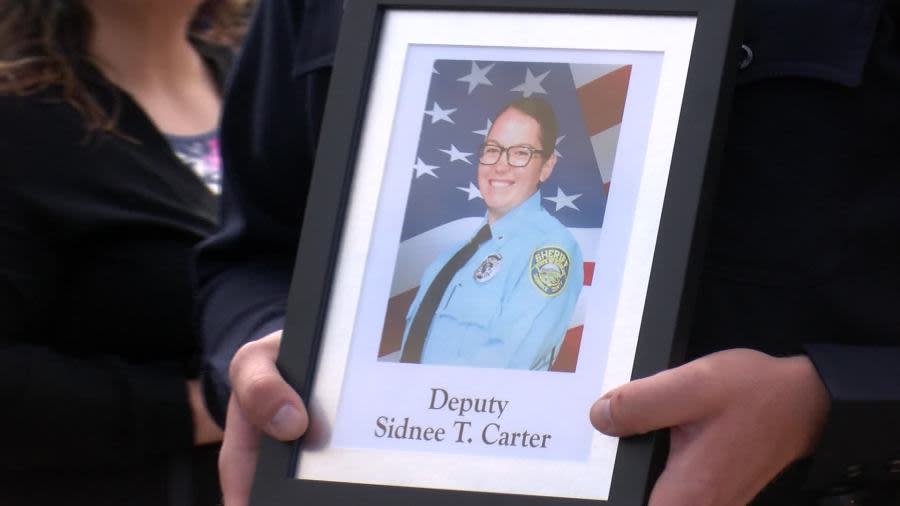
x=265 y=399
x=666 y=399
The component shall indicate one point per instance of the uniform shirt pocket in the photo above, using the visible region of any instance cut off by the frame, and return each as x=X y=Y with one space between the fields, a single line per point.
x=470 y=307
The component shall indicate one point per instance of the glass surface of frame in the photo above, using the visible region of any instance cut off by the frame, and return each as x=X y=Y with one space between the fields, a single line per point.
x=360 y=402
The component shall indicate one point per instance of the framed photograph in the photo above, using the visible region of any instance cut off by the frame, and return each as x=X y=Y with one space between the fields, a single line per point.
x=503 y=223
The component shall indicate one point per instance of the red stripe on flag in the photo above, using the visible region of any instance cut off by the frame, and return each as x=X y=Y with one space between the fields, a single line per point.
x=603 y=100
x=588 y=273
x=567 y=359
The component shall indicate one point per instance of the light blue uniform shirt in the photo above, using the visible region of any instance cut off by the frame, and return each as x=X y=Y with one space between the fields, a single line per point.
x=510 y=305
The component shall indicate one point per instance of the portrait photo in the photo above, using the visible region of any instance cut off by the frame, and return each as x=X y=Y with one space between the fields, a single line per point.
x=521 y=153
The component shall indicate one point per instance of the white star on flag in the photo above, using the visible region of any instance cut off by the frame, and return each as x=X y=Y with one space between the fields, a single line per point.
x=486 y=129
x=556 y=146
x=456 y=154
x=532 y=84
x=423 y=168
x=562 y=200
x=438 y=114
x=472 y=190
x=477 y=76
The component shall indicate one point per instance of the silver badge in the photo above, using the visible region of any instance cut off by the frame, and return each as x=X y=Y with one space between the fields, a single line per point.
x=488 y=268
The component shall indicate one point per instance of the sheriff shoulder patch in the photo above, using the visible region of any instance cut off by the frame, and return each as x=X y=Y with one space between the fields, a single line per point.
x=550 y=270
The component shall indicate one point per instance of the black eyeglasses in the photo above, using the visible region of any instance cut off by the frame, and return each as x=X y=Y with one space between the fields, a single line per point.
x=516 y=156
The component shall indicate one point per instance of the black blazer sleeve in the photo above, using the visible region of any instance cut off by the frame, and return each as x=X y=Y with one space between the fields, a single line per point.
x=861 y=441
x=270 y=127
x=803 y=246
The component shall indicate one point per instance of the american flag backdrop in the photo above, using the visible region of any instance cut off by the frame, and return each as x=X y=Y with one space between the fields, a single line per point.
x=445 y=207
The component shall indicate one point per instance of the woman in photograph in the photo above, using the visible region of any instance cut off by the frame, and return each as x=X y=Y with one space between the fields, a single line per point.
x=101 y=104
x=505 y=298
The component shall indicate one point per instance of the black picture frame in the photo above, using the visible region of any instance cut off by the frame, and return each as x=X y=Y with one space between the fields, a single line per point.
x=679 y=243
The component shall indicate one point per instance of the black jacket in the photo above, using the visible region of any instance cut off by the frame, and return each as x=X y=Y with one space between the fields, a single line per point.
x=96 y=323
x=804 y=234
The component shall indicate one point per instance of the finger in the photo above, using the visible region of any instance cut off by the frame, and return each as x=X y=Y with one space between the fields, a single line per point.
x=704 y=474
x=674 y=488
x=237 y=458
x=699 y=470
x=265 y=399
x=666 y=399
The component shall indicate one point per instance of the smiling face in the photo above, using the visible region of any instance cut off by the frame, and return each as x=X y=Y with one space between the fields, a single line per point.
x=503 y=186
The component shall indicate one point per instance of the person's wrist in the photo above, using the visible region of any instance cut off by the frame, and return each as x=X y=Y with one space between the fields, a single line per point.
x=813 y=398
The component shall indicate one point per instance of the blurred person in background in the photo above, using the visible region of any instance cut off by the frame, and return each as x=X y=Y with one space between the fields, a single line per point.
x=109 y=176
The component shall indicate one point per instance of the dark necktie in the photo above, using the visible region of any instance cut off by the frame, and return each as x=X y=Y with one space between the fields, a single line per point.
x=421 y=322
